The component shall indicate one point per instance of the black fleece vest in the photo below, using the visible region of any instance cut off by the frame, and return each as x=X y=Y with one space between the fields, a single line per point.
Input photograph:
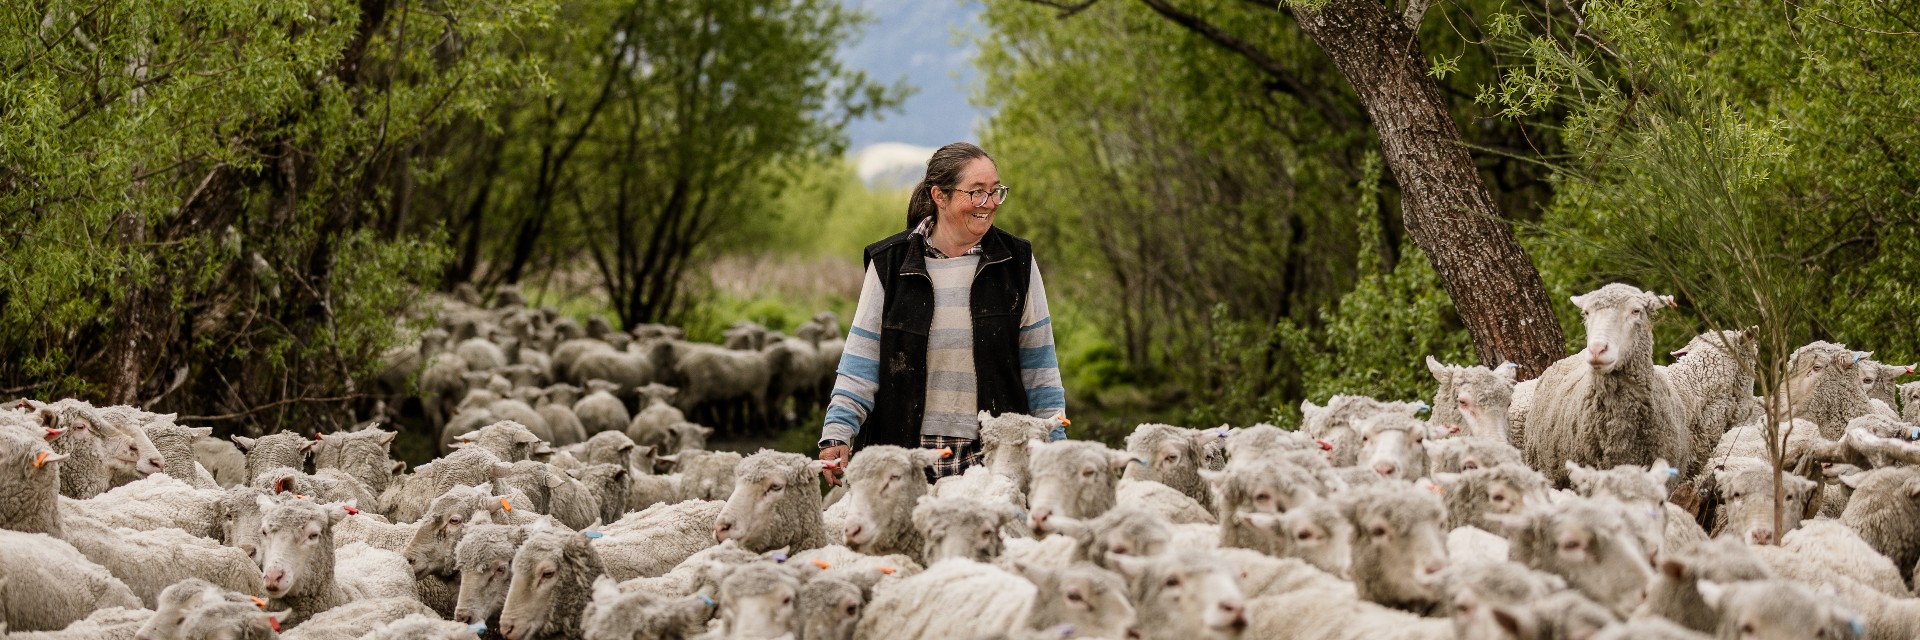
x=997 y=301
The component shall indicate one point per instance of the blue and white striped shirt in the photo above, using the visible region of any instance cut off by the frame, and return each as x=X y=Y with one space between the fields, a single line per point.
x=952 y=383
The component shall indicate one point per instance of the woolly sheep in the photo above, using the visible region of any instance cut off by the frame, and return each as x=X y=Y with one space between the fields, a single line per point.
x=1331 y=615
x=556 y=407
x=1711 y=375
x=884 y=485
x=707 y=475
x=175 y=444
x=1399 y=547
x=149 y=561
x=1393 y=446
x=179 y=599
x=484 y=557
x=1885 y=510
x=224 y=620
x=155 y=502
x=283 y=449
x=301 y=570
x=560 y=361
x=536 y=481
x=1822 y=386
x=1774 y=609
x=124 y=435
x=1588 y=542
x=1675 y=594
x=1504 y=489
x=596 y=493
x=430 y=548
x=481 y=354
x=1176 y=507
x=1318 y=533
x=112 y=623
x=954 y=526
x=708 y=373
x=366 y=455
x=1004 y=447
x=516 y=409
x=1080 y=600
x=1337 y=422
x=829 y=608
x=1910 y=402
x=653 y=541
x=355 y=619
x=1842 y=550
x=553 y=574
x=472 y=466
x=1185 y=594
x=84 y=470
x=1643 y=491
x=615 y=614
x=954 y=594
x=653 y=425
x=508 y=440
x=775 y=503
x=1568 y=614
x=1483 y=594
x=629 y=369
x=1607 y=406
x=225 y=461
x=1746 y=493
x=1270 y=486
x=689 y=436
x=757 y=602
x=600 y=410
x=1075 y=479
x=1173 y=456
x=332 y=485
x=1877 y=379
x=49 y=584
x=30 y=486
x=1473 y=399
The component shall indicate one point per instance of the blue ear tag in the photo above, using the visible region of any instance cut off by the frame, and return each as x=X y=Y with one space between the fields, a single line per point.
x=780 y=558
x=1859 y=628
x=1020 y=515
x=1914 y=434
x=477 y=627
x=592 y=535
x=1672 y=472
x=704 y=598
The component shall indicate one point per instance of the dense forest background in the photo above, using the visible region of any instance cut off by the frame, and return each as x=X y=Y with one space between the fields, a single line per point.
x=232 y=209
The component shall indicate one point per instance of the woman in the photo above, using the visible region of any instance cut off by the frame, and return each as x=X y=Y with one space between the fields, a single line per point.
x=956 y=310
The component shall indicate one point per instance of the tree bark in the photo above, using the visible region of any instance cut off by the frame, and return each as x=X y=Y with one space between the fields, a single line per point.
x=1446 y=206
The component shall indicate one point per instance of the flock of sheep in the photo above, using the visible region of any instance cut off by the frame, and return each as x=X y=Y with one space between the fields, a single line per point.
x=1610 y=498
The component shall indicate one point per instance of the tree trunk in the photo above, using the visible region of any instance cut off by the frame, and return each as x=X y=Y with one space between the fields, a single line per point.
x=1447 y=208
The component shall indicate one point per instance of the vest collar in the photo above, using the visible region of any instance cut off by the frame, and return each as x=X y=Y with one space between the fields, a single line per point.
x=993 y=248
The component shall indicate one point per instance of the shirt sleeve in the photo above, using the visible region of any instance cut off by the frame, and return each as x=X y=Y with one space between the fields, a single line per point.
x=1039 y=363
x=859 y=373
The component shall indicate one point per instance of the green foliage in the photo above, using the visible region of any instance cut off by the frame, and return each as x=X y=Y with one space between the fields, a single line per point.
x=202 y=191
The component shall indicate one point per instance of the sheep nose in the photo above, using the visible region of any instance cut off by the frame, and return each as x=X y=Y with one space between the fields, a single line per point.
x=853 y=531
x=463 y=616
x=1435 y=567
x=1761 y=535
x=158 y=464
x=271 y=579
x=1039 y=517
x=722 y=529
x=1384 y=468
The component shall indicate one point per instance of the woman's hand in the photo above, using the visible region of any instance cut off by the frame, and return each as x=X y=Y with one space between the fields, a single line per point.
x=836 y=459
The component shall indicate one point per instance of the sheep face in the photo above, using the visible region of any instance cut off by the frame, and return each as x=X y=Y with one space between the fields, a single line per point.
x=1820 y=374
x=1337 y=424
x=1173 y=457
x=239 y=514
x=958 y=527
x=1399 y=547
x=1073 y=479
x=1392 y=446
x=1747 y=494
x=1774 y=610
x=362 y=454
x=1004 y=444
x=830 y=609
x=1587 y=542
x=1619 y=323
x=1091 y=601
x=708 y=475
x=885 y=482
x=775 y=499
x=550 y=572
x=296 y=545
x=1642 y=490
x=178 y=600
x=1317 y=533
x=758 y=601
x=638 y=615
x=1474 y=399
x=485 y=559
x=1186 y=594
x=230 y=621
x=1122 y=532
x=1456 y=455
x=431 y=551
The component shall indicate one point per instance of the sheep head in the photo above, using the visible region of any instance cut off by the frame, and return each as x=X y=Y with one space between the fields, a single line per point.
x=1619 y=323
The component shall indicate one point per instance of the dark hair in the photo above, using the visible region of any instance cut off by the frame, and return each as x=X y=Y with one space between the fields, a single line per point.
x=943 y=171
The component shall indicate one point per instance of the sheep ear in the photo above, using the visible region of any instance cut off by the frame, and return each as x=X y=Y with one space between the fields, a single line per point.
x=244 y=443
x=1438 y=370
x=927 y=457
x=1508 y=371
x=1119 y=460
x=1713 y=593
x=1259 y=520
x=501 y=470
x=399 y=467
x=1577 y=473
x=1661 y=472
x=1511 y=622
x=1578 y=301
x=196 y=433
x=1853 y=480
x=1673 y=569
x=386 y=438
x=984 y=416
x=283 y=485
x=1132 y=567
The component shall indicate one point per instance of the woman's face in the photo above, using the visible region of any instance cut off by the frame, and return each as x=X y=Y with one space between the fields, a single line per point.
x=957 y=210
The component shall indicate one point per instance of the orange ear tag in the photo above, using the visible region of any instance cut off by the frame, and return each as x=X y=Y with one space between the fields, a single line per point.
x=259 y=602
x=822 y=564
x=505 y=505
x=41 y=460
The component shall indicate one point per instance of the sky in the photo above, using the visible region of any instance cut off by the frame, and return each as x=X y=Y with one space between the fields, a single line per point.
x=916 y=39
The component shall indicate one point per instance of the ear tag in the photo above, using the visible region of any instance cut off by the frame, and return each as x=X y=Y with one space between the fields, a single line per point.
x=274 y=622
x=1437 y=489
x=1324 y=445
x=23 y=406
x=945 y=453
x=705 y=598
x=1065 y=630
x=506 y=505
x=824 y=565
x=1859 y=628
x=592 y=535
x=258 y=602
x=780 y=558
x=886 y=570
x=477 y=628
x=1914 y=434
x=1672 y=472
x=350 y=510
x=41 y=460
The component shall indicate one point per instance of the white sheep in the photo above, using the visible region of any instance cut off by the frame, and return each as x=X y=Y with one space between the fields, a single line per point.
x=301 y=570
x=48 y=584
x=1607 y=405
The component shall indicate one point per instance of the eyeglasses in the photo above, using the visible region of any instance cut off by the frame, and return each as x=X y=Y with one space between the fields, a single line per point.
x=979 y=197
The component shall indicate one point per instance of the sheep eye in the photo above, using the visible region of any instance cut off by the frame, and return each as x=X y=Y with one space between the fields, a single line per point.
x=1264 y=498
x=1173 y=581
x=774 y=487
x=1378 y=531
x=1305 y=535
x=852 y=610
x=787 y=600
x=546 y=574
x=1075 y=596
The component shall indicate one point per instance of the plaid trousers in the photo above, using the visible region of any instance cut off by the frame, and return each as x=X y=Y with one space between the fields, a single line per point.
x=966 y=453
